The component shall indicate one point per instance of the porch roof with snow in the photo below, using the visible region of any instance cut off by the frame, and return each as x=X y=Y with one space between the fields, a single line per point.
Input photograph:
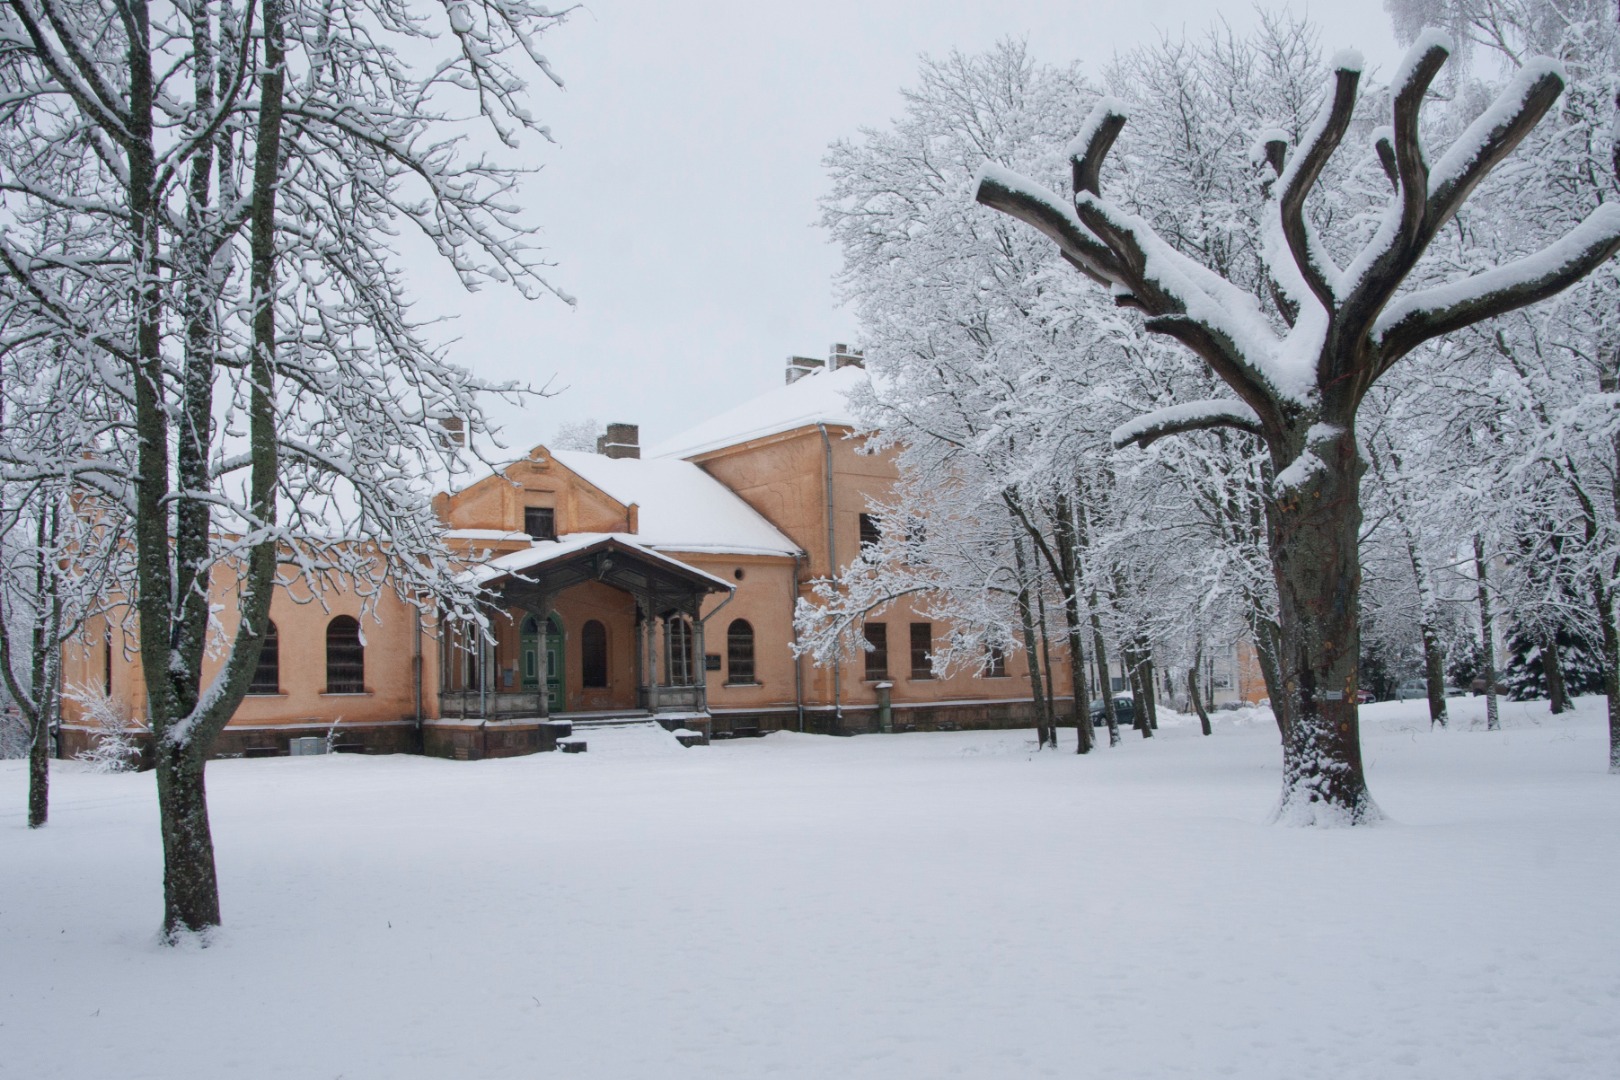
x=528 y=578
x=818 y=398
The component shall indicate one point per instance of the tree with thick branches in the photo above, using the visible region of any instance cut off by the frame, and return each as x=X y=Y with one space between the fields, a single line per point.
x=1299 y=374
x=201 y=198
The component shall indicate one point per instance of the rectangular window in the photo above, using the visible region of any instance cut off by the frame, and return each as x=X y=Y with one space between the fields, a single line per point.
x=922 y=643
x=996 y=666
x=540 y=522
x=877 y=659
x=267 y=676
x=870 y=532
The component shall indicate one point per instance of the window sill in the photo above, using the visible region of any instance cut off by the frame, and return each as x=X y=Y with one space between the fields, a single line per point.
x=346 y=693
x=265 y=693
x=922 y=676
x=750 y=682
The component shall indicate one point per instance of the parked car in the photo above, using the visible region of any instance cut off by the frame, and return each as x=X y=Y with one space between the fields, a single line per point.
x=1365 y=697
x=1410 y=689
x=1124 y=711
x=1419 y=688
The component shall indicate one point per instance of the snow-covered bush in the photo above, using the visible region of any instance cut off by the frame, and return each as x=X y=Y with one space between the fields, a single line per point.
x=117 y=747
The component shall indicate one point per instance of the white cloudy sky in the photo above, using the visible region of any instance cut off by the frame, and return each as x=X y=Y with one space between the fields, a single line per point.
x=680 y=201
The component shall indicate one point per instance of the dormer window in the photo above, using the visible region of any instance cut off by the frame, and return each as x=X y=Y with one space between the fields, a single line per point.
x=540 y=522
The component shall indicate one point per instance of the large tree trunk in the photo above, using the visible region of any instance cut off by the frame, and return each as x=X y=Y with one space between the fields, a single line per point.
x=1043 y=718
x=1046 y=663
x=39 y=769
x=1487 y=636
x=190 y=887
x=1150 y=697
x=1553 y=671
x=1315 y=526
x=1192 y=689
x=1434 y=671
x=1611 y=666
x=1068 y=553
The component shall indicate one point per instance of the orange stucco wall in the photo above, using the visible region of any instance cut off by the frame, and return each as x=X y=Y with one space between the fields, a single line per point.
x=389 y=630
x=784 y=477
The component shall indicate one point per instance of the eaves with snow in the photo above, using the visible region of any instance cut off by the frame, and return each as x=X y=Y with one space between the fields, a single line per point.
x=818 y=398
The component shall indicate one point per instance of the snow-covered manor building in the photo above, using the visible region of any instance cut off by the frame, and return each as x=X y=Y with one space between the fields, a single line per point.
x=622 y=584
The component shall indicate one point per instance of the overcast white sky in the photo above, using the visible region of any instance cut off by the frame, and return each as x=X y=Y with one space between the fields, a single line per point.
x=680 y=201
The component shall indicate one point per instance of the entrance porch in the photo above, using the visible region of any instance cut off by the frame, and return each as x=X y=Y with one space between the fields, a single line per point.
x=580 y=625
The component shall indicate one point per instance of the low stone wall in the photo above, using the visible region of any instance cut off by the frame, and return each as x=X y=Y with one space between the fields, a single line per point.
x=474 y=740
x=863 y=720
x=399 y=737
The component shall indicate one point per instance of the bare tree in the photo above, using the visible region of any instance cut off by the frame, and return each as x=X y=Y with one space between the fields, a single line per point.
x=205 y=193
x=1301 y=372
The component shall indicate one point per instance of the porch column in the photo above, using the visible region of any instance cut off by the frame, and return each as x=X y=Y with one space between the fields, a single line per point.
x=542 y=661
x=700 y=659
x=643 y=613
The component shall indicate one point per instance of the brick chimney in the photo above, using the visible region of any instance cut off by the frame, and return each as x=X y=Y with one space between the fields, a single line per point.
x=621 y=441
x=842 y=356
x=800 y=366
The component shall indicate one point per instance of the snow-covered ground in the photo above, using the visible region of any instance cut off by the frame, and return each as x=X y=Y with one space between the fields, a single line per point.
x=950 y=905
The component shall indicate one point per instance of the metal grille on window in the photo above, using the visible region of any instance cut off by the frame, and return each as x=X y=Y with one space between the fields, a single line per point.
x=267 y=676
x=678 y=638
x=345 y=657
x=871 y=533
x=877 y=659
x=922 y=643
x=740 y=652
x=540 y=522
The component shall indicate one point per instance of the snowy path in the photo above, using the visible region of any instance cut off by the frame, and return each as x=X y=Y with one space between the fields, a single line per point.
x=886 y=907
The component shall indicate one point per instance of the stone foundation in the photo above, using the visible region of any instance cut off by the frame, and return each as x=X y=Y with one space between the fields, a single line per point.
x=474 y=740
x=399 y=737
x=863 y=720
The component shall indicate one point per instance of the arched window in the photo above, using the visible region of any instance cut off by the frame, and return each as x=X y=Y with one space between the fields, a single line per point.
x=678 y=647
x=345 y=657
x=593 y=655
x=267 y=676
x=739 y=652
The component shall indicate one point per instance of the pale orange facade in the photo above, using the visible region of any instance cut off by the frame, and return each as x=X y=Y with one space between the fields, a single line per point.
x=618 y=586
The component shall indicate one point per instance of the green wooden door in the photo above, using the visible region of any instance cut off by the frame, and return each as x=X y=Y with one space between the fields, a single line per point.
x=554 y=665
x=529 y=651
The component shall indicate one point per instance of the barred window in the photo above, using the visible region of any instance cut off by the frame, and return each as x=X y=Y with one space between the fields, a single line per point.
x=345 y=657
x=678 y=647
x=877 y=658
x=922 y=643
x=740 y=652
x=871 y=532
x=540 y=522
x=267 y=676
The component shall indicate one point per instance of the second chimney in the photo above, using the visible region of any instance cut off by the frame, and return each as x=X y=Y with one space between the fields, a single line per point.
x=842 y=356
x=800 y=366
x=621 y=441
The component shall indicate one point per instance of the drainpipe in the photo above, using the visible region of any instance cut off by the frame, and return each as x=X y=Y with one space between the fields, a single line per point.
x=885 y=716
x=703 y=661
x=416 y=668
x=832 y=571
x=793 y=628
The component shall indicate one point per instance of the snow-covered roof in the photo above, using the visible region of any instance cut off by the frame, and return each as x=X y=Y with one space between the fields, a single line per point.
x=680 y=507
x=819 y=398
x=547 y=551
